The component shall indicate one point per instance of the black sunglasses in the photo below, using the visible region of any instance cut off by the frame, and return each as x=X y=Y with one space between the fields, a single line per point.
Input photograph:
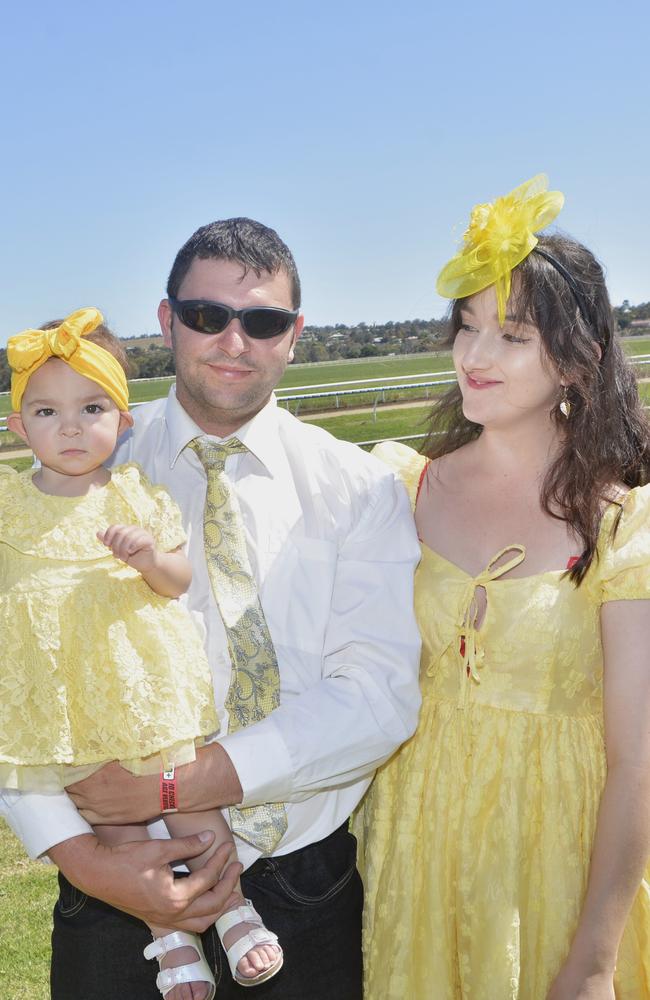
x=259 y=322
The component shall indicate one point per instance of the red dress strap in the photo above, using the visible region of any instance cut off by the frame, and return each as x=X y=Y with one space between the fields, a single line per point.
x=421 y=479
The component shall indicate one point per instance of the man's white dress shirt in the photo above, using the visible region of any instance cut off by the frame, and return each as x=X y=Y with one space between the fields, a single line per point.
x=333 y=549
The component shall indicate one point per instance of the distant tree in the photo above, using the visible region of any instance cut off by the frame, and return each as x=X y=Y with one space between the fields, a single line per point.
x=317 y=352
x=152 y=362
x=5 y=372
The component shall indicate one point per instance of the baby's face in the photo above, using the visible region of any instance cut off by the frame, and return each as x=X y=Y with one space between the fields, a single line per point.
x=70 y=423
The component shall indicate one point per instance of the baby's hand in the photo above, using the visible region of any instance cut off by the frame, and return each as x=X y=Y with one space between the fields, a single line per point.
x=133 y=545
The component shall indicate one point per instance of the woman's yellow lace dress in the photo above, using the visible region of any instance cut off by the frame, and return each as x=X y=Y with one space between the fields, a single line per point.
x=475 y=837
x=95 y=666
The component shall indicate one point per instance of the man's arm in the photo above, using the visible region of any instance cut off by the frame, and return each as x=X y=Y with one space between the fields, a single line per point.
x=367 y=701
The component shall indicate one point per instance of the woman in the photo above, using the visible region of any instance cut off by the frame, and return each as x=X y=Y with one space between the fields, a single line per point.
x=505 y=844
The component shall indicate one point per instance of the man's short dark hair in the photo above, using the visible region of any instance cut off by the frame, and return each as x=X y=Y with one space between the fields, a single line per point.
x=244 y=241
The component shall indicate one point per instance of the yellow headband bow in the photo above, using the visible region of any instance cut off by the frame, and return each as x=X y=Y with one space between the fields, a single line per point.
x=27 y=351
x=500 y=235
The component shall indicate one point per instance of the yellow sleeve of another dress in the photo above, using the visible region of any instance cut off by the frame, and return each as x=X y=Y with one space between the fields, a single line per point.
x=624 y=564
x=407 y=463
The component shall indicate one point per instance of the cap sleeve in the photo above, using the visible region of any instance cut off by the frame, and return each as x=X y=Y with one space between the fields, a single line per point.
x=407 y=463
x=166 y=524
x=156 y=510
x=624 y=563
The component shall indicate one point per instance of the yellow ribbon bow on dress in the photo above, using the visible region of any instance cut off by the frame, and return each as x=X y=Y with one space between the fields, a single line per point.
x=27 y=351
x=500 y=235
x=468 y=629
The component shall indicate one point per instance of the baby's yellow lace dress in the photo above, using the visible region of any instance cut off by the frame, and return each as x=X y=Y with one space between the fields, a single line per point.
x=95 y=666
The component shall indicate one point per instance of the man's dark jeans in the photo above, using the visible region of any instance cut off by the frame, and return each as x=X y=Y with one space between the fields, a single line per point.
x=312 y=899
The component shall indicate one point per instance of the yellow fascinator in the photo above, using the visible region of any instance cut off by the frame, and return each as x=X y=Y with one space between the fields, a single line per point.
x=500 y=235
x=27 y=351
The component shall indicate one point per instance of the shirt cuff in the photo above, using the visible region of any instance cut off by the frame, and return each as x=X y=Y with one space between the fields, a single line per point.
x=40 y=821
x=262 y=762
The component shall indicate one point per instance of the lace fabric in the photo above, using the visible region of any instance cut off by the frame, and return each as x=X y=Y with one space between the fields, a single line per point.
x=475 y=838
x=96 y=665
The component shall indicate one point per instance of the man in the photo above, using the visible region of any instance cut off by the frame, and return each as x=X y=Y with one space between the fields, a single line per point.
x=332 y=548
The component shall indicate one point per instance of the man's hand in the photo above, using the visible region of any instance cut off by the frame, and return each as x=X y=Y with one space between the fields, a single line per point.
x=137 y=878
x=112 y=795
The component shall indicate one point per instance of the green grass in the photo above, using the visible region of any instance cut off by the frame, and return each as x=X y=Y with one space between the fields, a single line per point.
x=142 y=392
x=389 y=424
x=365 y=368
x=363 y=371
x=329 y=372
x=636 y=345
x=17 y=463
x=27 y=894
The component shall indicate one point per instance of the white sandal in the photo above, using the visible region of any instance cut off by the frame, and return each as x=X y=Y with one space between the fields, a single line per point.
x=259 y=935
x=197 y=972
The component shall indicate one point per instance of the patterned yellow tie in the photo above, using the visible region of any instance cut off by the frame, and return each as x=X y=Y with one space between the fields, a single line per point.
x=255 y=683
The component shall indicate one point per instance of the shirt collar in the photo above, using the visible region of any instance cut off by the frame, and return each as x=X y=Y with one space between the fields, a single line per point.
x=260 y=435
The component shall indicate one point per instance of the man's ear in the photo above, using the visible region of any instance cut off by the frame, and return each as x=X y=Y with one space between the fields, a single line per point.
x=16 y=426
x=297 y=330
x=165 y=316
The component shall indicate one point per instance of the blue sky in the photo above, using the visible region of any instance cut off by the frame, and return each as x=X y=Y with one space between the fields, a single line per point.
x=362 y=131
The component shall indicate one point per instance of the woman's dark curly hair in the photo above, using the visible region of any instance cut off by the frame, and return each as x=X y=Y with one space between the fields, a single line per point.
x=606 y=440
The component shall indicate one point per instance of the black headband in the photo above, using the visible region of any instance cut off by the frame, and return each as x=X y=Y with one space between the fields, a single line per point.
x=571 y=282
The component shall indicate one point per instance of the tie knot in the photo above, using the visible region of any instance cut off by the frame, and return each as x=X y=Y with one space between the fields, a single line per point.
x=213 y=454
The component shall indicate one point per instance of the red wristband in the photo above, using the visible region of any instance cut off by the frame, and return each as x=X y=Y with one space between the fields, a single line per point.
x=168 y=800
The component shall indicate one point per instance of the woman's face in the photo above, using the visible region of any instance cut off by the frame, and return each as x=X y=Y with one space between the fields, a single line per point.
x=504 y=376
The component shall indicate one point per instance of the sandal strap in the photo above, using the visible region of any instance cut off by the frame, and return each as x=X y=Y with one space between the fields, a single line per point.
x=198 y=972
x=177 y=939
x=246 y=914
x=195 y=972
x=258 y=936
